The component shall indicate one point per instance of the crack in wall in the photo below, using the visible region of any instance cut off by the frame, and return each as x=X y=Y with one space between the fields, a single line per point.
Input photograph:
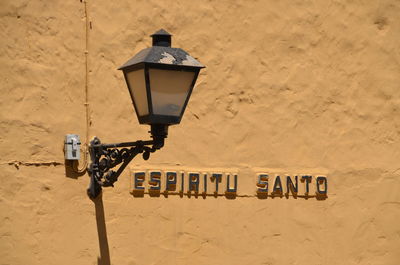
x=17 y=163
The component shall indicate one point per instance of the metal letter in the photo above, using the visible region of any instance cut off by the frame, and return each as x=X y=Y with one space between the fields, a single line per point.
x=228 y=187
x=290 y=186
x=194 y=180
x=155 y=180
x=319 y=181
x=307 y=179
x=205 y=183
x=278 y=186
x=170 y=180
x=138 y=180
x=262 y=183
x=217 y=177
x=182 y=182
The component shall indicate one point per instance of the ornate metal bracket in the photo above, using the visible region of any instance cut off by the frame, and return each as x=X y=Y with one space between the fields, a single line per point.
x=107 y=156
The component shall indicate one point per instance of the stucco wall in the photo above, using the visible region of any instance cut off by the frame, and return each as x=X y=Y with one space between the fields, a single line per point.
x=290 y=86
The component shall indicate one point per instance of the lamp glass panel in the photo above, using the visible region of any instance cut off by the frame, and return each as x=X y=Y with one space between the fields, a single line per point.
x=137 y=86
x=169 y=90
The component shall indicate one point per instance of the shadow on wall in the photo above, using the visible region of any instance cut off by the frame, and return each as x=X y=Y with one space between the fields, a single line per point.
x=157 y=193
x=104 y=258
x=71 y=170
x=319 y=197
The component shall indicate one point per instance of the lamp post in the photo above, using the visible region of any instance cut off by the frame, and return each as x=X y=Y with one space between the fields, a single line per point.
x=160 y=80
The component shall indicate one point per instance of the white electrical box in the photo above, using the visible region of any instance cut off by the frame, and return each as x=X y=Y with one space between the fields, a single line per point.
x=72 y=146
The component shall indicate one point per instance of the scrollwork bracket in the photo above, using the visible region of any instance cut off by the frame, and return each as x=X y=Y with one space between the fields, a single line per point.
x=107 y=156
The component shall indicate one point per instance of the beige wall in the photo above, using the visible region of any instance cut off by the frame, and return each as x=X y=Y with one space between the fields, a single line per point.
x=294 y=86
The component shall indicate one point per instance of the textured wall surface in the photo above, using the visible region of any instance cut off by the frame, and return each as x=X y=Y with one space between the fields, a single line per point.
x=297 y=86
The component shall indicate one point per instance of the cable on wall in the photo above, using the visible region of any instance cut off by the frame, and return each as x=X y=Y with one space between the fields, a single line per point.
x=88 y=26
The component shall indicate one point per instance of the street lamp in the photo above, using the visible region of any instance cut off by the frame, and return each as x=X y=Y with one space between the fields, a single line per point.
x=160 y=80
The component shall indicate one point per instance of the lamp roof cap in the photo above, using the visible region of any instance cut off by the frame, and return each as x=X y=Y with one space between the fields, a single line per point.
x=162 y=32
x=162 y=53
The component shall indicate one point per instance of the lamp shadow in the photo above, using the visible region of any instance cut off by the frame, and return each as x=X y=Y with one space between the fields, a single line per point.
x=104 y=258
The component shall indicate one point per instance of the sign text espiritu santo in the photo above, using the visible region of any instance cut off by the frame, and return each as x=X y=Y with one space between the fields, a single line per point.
x=172 y=182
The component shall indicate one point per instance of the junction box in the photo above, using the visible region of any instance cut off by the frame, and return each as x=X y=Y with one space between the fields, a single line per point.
x=72 y=147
